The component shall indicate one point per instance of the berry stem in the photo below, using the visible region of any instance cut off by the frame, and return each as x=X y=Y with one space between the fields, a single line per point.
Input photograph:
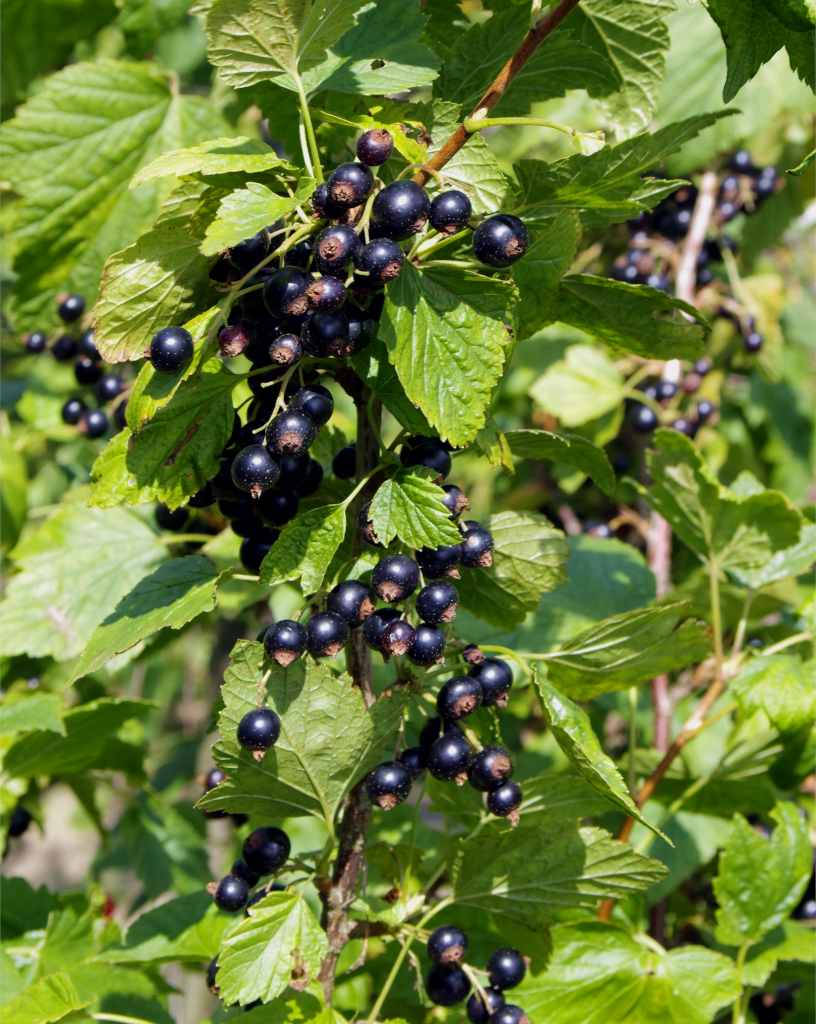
x=476 y=124
x=311 y=153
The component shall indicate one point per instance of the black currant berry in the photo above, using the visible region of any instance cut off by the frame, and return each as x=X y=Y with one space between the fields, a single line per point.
x=326 y=294
x=506 y=969
x=258 y=729
x=255 y=549
x=278 y=507
x=291 y=433
x=374 y=147
x=397 y=638
x=285 y=292
x=449 y=756
x=490 y=768
x=705 y=410
x=285 y=350
x=349 y=185
x=427 y=646
x=643 y=419
x=500 y=240
x=684 y=426
x=753 y=342
x=327 y=634
x=401 y=209
x=110 y=386
x=426 y=451
x=171 y=349
x=504 y=801
x=64 y=348
x=450 y=211
x=311 y=478
x=459 y=696
x=285 y=641
x=509 y=1014
x=437 y=602
x=344 y=463
x=479 y=1010
x=94 y=423
x=70 y=308
x=429 y=734
x=474 y=655
x=413 y=759
x=231 y=894
x=322 y=205
x=447 y=984
x=254 y=470
x=212 y=970
x=241 y=869
x=313 y=401
x=201 y=499
x=213 y=778
x=248 y=253
x=455 y=501
x=374 y=626
x=173 y=519
x=381 y=260
x=299 y=255
x=442 y=561
x=327 y=334
x=266 y=850
x=395 y=578
x=495 y=677
x=742 y=163
x=447 y=944
x=72 y=411
x=120 y=415
x=335 y=247
x=352 y=601
x=477 y=546
x=388 y=785
x=18 y=822
x=86 y=370
x=35 y=342
x=666 y=389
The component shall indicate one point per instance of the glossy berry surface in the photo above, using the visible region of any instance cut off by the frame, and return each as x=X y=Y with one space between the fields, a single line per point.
x=278 y=507
x=86 y=370
x=447 y=945
x=326 y=294
x=488 y=769
x=753 y=342
x=479 y=1010
x=349 y=185
x=455 y=500
x=705 y=410
x=266 y=849
x=35 y=342
x=459 y=697
x=254 y=470
x=18 y=822
x=400 y=210
x=506 y=968
x=258 y=729
x=64 y=348
x=437 y=602
x=291 y=433
x=500 y=240
x=395 y=577
x=496 y=678
x=231 y=894
x=72 y=411
x=509 y=1014
x=397 y=638
x=375 y=624
x=171 y=349
x=110 y=386
x=477 y=546
x=442 y=561
x=71 y=308
x=313 y=401
x=212 y=970
x=285 y=350
x=450 y=211
x=335 y=247
x=254 y=550
x=285 y=292
x=326 y=634
x=388 y=784
x=643 y=419
x=449 y=756
x=505 y=799
x=285 y=641
x=428 y=645
x=344 y=463
x=327 y=334
x=94 y=423
x=380 y=261
x=243 y=870
x=173 y=519
x=413 y=759
x=374 y=147
x=352 y=601
x=429 y=452
x=447 y=984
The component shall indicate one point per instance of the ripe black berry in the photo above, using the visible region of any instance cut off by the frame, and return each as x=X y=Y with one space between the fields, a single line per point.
x=643 y=419
x=504 y=801
x=87 y=370
x=300 y=474
x=413 y=758
x=243 y=870
x=437 y=602
x=684 y=426
x=500 y=240
x=278 y=507
x=171 y=349
x=326 y=294
x=395 y=577
x=442 y=561
x=400 y=210
x=450 y=211
x=213 y=778
x=70 y=308
x=266 y=849
x=246 y=254
x=509 y=1014
x=285 y=292
x=447 y=945
x=447 y=984
x=72 y=411
x=703 y=366
x=448 y=756
x=426 y=451
x=254 y=470
x=397 y=638
x=490 y=768
x=19 y=822
x=313 y=401
x=323 y=206
x=374 y=626
x=110 y=386
x=35 y=342
x=506 y=968
x=479 y=1010
x=352 y=601
x=459 y=696
x=752 y=342
x=477 y=546
x=258 y=729
x=255 y=549
x=349 y=185
x=291 y=433
x=705 y=410
x=94 y=423
x=388 y=784
x=285 y=350
x=285 y=641
x=335 y=247
x=742 y=163
x=374 y=147
x=381 y=260
x=173 y=519
x=231 y=894
x=455 y=501
x=327 y=634
x=666 y=389
x=64 y=348
x=299 y=255
x=212 y=969
x=495 y=677
x=429 y=734
x=327 y=334
x=427 y=646
x=344 y=463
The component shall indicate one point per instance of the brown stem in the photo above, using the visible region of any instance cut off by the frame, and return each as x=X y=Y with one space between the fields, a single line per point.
x=686 y=278
x=497 y=88
x=658 y=544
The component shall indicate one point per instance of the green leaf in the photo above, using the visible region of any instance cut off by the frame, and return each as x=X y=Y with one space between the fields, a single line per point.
x=25 y=713
x=176 y=593
x=447 y=335
x=759 y=880
x=13 y=491
x=531 y=874
x=782 y=687
x=373 y=366
x=793 y=561
x=87 y=731
x=328 y=739
x=215 y=156
x=279 y=943
x=572 y=729
x=628 y=649
x=599 y=972
x=49 y=999
x=246 y=211
x=740 y=533
x=554 y=246
x=409 y=506
x=305 y=548
x=188 y=928
x=791 y=941
x=580 y=387
x=566 y=449
x=529 y=558
x=72 y=572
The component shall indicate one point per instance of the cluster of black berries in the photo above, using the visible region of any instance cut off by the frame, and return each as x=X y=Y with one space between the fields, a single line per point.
x=213 y=778
x=18 y=822
x=264 y=852
x=643 y=418
x=448 y=983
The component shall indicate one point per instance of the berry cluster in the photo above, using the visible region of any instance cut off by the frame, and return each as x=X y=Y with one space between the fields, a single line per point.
x=448 y=981
x=264 y=852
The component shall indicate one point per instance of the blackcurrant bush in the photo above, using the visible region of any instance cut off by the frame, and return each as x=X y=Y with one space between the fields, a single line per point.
x=447 y=984
x=509 y=1014
x=285 y=641
x=496 y=678
x=374 y=147
x=258 y=729
x=381 y=260
x=109 y=386
x=455 y=501
x=171 y=349
x=64 y=348
x=327 y=634
x=506 y=969
x=352 y=601
x=278 y=507
x=173 y=519
x=413 y=758
x=70 y=308
x=255 y=549
x=94 y=423
x=326 y=294
x=72 y=411
x=477 y=546
x=285 y=350
x=311 y=478
x=401 y=209
x=254 y=470
x=705 y=410
x=291 y=433
x=87 y=370
x=248 y=253
x=374 y=626
x=666 y=389
x=327 y=334
x=212 y=970
x=753 y=342
x=18 y=822
x=500 y=240
x=490 y=768
x=427 y=646
x=241 y=869
x=459 y=696
x=442 y=561
x=395 y=578
x=505 y=800
x=335 y=247
x=450 y=211
x=266 y=850
x=313 y=401
x=742 y=163
x=285 y=292
x=397 y=638
x=388 y=784
x=213 y=778
x=323 y=206
x=479 y=1010
x=231 y=894
x=447 y=945
x=35 y=342
x=766 y=183
x=643 y=419
x=344 y=463
x=437 y=602
x=684 y=426
x=449 y=756
x=349 y=185
x=429 y=452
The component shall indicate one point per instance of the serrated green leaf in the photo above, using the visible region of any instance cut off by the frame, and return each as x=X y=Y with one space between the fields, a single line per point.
x=580 y=387
x=781 y=686
x=25 y=713
x=554 y=245
x=409 y=506
x=188 y=929
x=46 y=1000
x=215 y=156
x=566 y=449
x=793 y=561
x=305 y=548
x=791 y=941
x=246 y=211
x=373 y=366
x=447 y=335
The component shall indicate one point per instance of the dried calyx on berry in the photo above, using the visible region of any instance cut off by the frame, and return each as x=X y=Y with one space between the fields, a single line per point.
x=285 y=641
x=388 y=784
